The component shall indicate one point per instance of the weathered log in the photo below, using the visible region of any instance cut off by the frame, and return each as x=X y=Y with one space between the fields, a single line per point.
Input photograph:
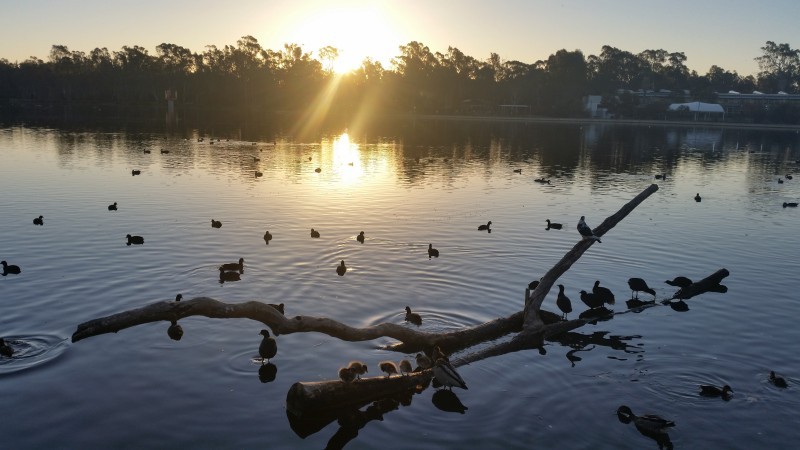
x=532 y=319
x=710 y=283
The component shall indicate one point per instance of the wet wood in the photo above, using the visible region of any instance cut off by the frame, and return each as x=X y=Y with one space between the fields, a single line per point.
x=710 y=283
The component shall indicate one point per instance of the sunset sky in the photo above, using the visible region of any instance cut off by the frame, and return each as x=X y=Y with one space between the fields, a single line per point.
x=728 y=33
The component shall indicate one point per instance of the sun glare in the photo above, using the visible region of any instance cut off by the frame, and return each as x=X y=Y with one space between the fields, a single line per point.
x=356 y=32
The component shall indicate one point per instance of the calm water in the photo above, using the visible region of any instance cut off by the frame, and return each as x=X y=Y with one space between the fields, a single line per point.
x=406 y=186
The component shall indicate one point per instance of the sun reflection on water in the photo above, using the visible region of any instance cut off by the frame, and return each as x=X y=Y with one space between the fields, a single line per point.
x=346 y=159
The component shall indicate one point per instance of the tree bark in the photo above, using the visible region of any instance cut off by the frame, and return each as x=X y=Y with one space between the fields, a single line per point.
x=707 y=284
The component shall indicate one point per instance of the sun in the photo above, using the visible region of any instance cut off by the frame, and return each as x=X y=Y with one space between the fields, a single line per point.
x=356 y=32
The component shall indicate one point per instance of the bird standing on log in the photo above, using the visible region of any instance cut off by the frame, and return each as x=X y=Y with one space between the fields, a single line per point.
x=563 y=302
x=423 y=361
x=268 y=347
x=585 y=231
x=604 y=293
x=639 y=285
x=680 y=282
x=389 y=368
x=447 y=375
x=358 y=367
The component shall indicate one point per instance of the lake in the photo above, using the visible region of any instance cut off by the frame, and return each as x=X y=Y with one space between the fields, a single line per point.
x=406 y=185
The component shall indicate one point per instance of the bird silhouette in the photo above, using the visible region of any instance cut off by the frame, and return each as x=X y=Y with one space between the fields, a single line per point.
x=360 y=237
x=586 y=231
x=268 y=347
x=179 y=297
x=790 y=204
x=707 y=390
x=639 y=285
x=175 y=331
x=604 y=293
x=776 y=380
x=234 y=266
x=314 y=233
x=680 y=282
x=259 y=174
x=5 y=349
x=553 y=225
x=563 y=302
x=112 y=207
x=485 y=227
x=697 y=198
x=136 y=240
x=10 y=268
x=216 y=223
x=38 y=220
x=432 y=252
x=389 y=368
x=135 y=172
x=591 y=300
x=412 y=317
x=341 y=269
x=648 y=422
x=267 y=237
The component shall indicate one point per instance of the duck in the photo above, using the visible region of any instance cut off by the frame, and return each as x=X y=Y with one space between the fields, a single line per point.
x=347 y=375
x=790 y=204
x=216 y=223
x=485 y=227
x=591 y=300
x=405 y=367
x=648 y=422
x=389 y=368
x=553 y=225
x=542 y=180
x=518 y=171
x=638 y=285
x=563 y=302
x=708 y=390
x=259 y=174
x=586 y=231
x=414 y=318
x=314 y=233
x=446 y=374
x=147 y=152
x=135 y=172
x=233 y=266
x=10 y=268
x=680 y=282
x=164 y=152
x=439 y=354
x=423 y=361
x=341 y=269
x=175 y=331
x=5 y=349
x=780 y=180
x=697 y=198
x=318 y=170
x=137 y=240
x=604 y=293
x=268 y=347
x=432 y=252
x=788 y=176
x=360 y=237
x=267 y=237
x=228 y=276
x=358 y=367
x=38 y=220
x=179 y=297
x=112 y=207
x=776 y=380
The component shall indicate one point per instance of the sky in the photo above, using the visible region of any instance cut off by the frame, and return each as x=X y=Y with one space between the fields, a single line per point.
x=726 y=33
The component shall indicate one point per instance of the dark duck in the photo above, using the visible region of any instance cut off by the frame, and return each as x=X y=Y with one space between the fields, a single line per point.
x=485 y=227
x=432 y=252
x=563 y=302
x=553 y=225
x=680 y=282
x=639 y=285
x=707 y=390
x=413 y=317
x=136 y=240
x=341 y=269
x=268 y=347
x=604 y=293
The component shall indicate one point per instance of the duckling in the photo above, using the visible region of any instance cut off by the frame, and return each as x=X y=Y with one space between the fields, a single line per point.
x=446 y=374
x=708 y=390
x=341 y=269
x=777 y=381
x=638 y=285
x=680 y=282
x=136 y=240
x=10 y=268
x=346 y=374
x=563 y=302
x=259 y=174
x=405 y=367
x=553 y=225
x=38 y=220
x=175 y=331
x=648 y=422
x=228 y=276
x=5 y=349
x=439 y=354
x=360 y=237
x=179 y=297
x=112 y=207
x=216 y=223
x=414 y=318
x=423 y=361
x=268 y=347
x=432 y=252
x=697 y=198
x=314 y=233
x=485 y=227
x=389 y=368
x=233 y=266
x=135 y=172
x=358 y=367
x=318 y=170
x=267 y=237
x=790 y=204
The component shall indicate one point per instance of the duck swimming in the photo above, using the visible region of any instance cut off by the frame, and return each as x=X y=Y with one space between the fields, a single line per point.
x=267 y=237
x=341 y=269
x=38 y=220
x=314 y=233
x=233 y=266
x=112 y=207
x=414 y=318
x=216 y=223
x=360 y=237
x=5 y=349
x=776 y=380
x=135 y=172
x=432 y=252
x=708 y=390
x=268 y=347
x=485 y=227
x=648 y=422
x=553 y=225
x=790 y=204
x=10 y=268
x=137 y=240
x=697 y=198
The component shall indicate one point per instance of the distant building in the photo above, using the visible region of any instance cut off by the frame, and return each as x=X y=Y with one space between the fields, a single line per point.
x=736 y=103
x=699 y=110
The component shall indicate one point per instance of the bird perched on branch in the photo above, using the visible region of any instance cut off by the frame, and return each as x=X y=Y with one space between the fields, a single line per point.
x=346 y=374
x=405 y=367
x=446 y=374
x=680 y=282
x=389 y=368
x=563 y=302
x=604 y=293
x=268 y=347
x=639 y=285
x=585 y=231
x=591 y=300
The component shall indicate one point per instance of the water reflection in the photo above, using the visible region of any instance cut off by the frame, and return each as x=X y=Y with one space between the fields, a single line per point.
x=447 y=401
x=267 y=372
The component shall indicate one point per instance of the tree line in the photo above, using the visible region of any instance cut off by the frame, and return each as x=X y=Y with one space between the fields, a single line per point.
x=249 y=78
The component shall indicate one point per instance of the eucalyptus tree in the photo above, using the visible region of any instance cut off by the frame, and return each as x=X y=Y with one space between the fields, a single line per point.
x=779 y=67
